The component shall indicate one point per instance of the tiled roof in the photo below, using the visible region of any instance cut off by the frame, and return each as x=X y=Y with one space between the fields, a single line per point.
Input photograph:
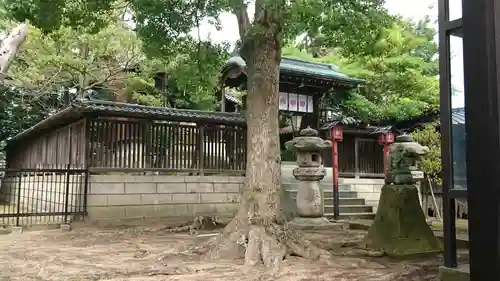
x=307 y=68
x=458 y=116
x=231 y=97
x=157 y=112
x=432 y=118
x=330 y=117
x=81 y=107
x=382 y=129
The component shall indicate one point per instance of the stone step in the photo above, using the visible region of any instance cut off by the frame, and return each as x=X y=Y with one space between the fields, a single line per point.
x=342 y=194
x=350 y=209
x=329 y=194
x=324 y=185
x=345 y=201
x=352 y=216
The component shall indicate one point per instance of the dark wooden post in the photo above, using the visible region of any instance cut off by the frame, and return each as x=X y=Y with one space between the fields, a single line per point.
x=316 y=112
x=147 y=144
x=481 y=49
x=356 y=157
x=449 y=231
x=201 y=150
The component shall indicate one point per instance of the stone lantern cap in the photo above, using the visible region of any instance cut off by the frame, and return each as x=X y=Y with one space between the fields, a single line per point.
x=307 y=141
x=404 y=156
x=406 y=145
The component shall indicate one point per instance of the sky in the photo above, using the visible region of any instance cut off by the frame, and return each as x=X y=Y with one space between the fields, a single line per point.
x=414 y=9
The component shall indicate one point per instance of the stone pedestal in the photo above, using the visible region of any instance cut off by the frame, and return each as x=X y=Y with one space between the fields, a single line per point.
x=461 y=273
x=309 y=172
x=399 y=228
x=309 y=193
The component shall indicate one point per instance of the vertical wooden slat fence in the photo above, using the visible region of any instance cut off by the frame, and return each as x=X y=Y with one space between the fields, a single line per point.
x=145 y=145
x=371 y=159
x=358 y=157
x=61 y=147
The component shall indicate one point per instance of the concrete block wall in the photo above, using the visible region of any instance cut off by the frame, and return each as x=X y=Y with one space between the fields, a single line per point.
x=119 y=197
x=44 y=192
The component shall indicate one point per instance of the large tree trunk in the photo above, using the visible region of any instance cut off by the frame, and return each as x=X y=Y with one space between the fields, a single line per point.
x=257 y=232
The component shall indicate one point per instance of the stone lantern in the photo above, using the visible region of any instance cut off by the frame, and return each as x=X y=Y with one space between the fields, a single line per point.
x=406 y=233
x=403 y=159
x=307 y=147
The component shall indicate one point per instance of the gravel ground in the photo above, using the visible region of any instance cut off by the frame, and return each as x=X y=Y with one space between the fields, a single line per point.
x=148 y=253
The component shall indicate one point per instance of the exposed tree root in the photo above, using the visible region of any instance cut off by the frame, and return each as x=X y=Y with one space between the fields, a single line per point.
x=267 y=244
x=364 y=253
x=196 y=224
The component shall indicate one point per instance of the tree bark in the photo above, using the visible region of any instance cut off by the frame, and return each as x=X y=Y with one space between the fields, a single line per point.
x=257 y=232
x=10 y=47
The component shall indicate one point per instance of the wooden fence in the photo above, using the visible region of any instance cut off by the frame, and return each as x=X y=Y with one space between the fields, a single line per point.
x=116 y=144
x=59 y=147
x=124 y=145
x=358 y=157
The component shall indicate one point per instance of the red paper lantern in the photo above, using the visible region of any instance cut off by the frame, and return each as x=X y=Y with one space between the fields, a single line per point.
x=387 y=138
x=337 y=132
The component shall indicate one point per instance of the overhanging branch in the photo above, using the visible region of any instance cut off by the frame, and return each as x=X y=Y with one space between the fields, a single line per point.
x=241 y=13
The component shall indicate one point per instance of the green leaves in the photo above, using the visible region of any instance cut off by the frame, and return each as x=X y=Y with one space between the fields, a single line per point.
x=397 y=58
x=431 y=163
x=350 y=24
x=63 y=59
x=19 y=113
x=398 y=85
x=49 y=16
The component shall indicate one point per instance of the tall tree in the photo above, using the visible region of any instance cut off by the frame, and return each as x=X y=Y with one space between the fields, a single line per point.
x=164 y=25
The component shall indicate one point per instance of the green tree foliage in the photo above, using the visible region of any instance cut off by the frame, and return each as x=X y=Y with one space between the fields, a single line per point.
x=352 y=25
x=164 y=27
x=108 y=64
x=89 y=15
x=192 y=75
x=72 y=59
x=400 y=68
x=431 y=163
x=395 y=57
x=18 y=114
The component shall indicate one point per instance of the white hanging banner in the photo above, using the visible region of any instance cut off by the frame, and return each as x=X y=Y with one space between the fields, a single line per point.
x=310 y=104
x=292 y=102
x=283 y=101
x=302 y=103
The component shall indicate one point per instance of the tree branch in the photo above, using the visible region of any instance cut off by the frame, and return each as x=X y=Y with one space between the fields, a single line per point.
x=241 y=13
x=10 y=46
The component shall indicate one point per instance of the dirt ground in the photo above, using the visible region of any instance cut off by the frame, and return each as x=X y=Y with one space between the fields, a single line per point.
x=149 y=254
